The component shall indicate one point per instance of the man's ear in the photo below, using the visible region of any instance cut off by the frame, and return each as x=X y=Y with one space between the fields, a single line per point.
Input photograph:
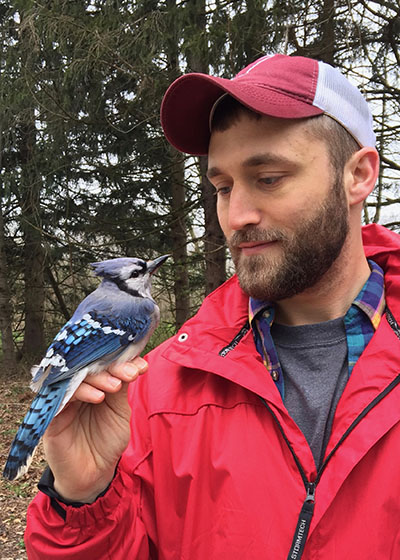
x=360 y=174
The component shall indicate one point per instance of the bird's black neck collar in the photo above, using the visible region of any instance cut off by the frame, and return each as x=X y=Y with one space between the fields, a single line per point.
x=121 y=285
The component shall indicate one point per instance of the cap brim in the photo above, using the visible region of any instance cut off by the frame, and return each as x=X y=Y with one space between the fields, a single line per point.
x=186 y=107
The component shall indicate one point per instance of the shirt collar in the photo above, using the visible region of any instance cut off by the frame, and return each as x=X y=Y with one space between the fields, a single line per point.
x=371 y=299
x=258 y=307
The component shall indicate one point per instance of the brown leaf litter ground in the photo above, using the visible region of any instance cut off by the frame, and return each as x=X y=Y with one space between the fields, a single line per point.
x=15 y=398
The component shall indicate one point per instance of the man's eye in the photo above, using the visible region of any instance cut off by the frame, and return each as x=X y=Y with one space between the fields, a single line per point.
x=221 y=191
x=269 y=180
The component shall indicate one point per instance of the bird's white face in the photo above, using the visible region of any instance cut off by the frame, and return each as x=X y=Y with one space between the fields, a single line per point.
x=136 y=278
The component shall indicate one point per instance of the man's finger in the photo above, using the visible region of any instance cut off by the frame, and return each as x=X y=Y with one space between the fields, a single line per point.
x=88 y=393
x=129 y=371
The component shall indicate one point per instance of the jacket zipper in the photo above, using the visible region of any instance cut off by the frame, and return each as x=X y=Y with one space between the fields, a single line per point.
x=307 y=510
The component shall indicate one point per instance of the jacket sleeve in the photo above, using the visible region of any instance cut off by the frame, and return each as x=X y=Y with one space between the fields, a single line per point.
x=118 y=525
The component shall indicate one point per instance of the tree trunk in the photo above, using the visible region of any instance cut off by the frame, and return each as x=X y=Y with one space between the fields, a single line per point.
x=179 y=239
x=178 y=193
x=8 y=359
x=214 y=243
x=327 y=52
x=58 y=294
x=8 y=355
x=34 y=342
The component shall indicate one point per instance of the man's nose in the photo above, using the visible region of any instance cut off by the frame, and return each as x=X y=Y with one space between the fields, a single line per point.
x=243 y=209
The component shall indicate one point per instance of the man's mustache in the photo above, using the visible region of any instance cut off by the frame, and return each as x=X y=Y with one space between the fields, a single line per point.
x=250 y=235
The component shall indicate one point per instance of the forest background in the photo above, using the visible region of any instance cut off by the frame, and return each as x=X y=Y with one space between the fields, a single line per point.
x=85 y=172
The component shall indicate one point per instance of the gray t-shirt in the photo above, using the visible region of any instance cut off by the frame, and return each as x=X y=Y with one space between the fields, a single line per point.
x=315 y=369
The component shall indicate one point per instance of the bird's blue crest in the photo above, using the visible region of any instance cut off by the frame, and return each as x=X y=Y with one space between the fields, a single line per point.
x=113 y=267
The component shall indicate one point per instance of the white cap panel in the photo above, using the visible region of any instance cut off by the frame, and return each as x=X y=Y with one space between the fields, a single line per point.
x=340 y=99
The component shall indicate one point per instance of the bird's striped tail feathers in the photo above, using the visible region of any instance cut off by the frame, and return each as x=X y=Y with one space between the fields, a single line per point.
x=42 y=410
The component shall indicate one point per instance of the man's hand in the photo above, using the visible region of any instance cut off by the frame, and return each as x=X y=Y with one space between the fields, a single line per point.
x=85 y=441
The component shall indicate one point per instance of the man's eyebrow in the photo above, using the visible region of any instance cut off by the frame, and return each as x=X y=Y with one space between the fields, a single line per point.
x=258 y=159
x=267 y=159
x=213 y=172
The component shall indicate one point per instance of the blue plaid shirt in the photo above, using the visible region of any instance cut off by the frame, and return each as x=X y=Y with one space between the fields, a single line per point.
x=361 y=321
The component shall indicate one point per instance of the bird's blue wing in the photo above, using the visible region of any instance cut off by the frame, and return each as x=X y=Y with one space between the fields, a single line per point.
x=83 y=341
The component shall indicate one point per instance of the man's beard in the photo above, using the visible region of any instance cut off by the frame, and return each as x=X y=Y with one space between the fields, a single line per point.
x=307 y=252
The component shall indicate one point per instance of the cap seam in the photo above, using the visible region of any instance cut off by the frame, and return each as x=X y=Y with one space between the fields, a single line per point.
x=343 y=126
x=314 y=81
x=255 y=64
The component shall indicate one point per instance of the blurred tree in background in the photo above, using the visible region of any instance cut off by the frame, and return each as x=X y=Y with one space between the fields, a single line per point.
x=85 y=172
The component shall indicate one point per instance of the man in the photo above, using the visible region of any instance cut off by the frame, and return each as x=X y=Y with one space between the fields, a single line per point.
x=268 y=427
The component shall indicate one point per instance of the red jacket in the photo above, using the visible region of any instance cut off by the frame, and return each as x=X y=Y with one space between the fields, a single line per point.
x=213 y=472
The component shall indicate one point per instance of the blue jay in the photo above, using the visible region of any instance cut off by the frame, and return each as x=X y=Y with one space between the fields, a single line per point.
x=111 y=325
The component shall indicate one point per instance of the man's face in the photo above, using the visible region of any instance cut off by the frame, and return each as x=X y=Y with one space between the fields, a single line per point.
x=281 y=208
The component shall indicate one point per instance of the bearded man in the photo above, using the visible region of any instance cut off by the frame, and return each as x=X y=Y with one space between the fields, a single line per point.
x=268 y=427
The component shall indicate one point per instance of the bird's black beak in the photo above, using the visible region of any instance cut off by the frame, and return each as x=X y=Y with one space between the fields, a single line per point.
x=152 y=266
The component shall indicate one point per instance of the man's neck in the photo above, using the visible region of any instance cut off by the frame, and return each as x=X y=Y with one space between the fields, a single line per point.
x=331 y=297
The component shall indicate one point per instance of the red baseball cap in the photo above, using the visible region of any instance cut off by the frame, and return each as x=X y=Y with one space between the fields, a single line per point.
x=289 y=87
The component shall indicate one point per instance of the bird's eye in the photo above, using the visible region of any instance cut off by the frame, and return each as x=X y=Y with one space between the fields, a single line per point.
x=134 y=274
